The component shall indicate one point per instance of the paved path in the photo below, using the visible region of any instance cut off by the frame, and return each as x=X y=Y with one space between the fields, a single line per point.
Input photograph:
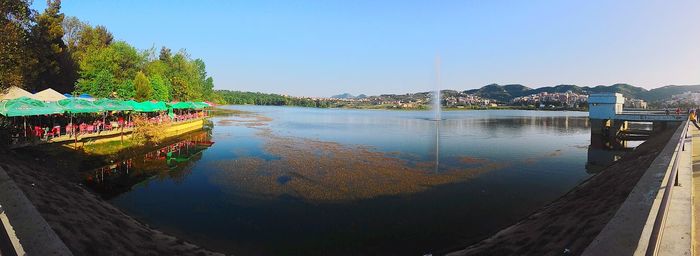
x=696 y=188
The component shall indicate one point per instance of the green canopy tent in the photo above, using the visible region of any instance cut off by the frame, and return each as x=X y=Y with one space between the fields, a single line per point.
x=148 y=106
x=184 y=105
x=159 y=106
x=200 y=105
x=78 y=106
x=188 y=105
x=25 y=106
x=113 y=105
x=131 y=103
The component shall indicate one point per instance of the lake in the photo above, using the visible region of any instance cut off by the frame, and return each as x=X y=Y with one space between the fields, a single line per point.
x=307 y=181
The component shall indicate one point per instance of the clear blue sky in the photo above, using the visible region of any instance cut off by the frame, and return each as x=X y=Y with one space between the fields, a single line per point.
x=326 y=47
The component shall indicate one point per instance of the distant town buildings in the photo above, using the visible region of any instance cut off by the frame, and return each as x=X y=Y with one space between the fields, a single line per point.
x=635 y=103
x=565 y=99
x=466 y=100
x=686 y=98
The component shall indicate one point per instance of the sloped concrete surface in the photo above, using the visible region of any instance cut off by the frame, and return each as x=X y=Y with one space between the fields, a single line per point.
x=34 y=235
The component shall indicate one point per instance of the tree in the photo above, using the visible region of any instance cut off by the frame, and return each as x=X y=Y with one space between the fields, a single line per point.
x=89 y=40
x=55 y=67
x=48 y=49
x=100 y=83
x=72 y=29
x=121 y=60
x=165 y=54
x=143 y=88
x=182 y=77
x=161 y=90
x=206 y=84
x=16 y=58
x=126 y=90
x=179 y=88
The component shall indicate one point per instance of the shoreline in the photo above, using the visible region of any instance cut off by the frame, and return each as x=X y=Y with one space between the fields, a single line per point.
x=569 y=224
x=444 y=109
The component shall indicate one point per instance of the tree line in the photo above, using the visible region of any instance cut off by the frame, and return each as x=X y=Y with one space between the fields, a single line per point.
x=50 y=50
x=258 y=98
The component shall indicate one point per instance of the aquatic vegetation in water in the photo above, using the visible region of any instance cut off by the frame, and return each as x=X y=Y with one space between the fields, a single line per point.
x=315 y=170
x=249 y=120
x=471 y=160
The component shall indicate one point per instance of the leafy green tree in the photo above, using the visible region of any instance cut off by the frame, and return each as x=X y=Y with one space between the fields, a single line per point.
x=48 y=49
x=86 y=40
x=179 y=89
x=120 y=59
x=128 y=60
x=100 y=84
x=183 y=77
x=54 y=67
x=126 y=90
x=157 y=71
x=161 y=90
x=206 y=84
x=142 y=86
x=16 y=57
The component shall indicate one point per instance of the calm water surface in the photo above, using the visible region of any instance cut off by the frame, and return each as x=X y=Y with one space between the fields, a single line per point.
x=305 y=181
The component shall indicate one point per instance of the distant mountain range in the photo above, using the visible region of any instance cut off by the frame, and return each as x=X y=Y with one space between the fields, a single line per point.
x=506 y=93
x=510 y=91
x=349 y=96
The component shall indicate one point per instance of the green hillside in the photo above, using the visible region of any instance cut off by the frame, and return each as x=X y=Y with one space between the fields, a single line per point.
x=506 y=93
x=666 y=92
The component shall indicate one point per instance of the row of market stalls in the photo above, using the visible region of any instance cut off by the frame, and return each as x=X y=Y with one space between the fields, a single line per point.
x=28 y=118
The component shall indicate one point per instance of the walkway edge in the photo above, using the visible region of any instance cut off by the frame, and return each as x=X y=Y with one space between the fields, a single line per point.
x=23 y=221
x=628 y=232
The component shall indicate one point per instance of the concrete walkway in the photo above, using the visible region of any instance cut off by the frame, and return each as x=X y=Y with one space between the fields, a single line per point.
x=696 y=187
x=629 y=231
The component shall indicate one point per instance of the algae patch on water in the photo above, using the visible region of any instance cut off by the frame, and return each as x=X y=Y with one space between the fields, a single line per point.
x=316 y=170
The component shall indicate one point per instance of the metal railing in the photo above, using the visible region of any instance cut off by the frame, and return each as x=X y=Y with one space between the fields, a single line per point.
x=655 y=238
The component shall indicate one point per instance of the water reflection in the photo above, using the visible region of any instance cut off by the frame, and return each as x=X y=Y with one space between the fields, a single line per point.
x=306 y=181
x=169 y=162
x=604 y=151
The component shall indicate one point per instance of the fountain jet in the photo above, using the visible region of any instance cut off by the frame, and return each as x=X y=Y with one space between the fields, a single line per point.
x=437 y=101
x=437 y=107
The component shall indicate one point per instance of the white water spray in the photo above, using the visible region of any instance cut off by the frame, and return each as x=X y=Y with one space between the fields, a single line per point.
x=437 y=108
x=437 y=101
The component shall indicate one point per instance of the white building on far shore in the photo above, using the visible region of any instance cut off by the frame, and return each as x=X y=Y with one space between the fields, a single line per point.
x=635 y=103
